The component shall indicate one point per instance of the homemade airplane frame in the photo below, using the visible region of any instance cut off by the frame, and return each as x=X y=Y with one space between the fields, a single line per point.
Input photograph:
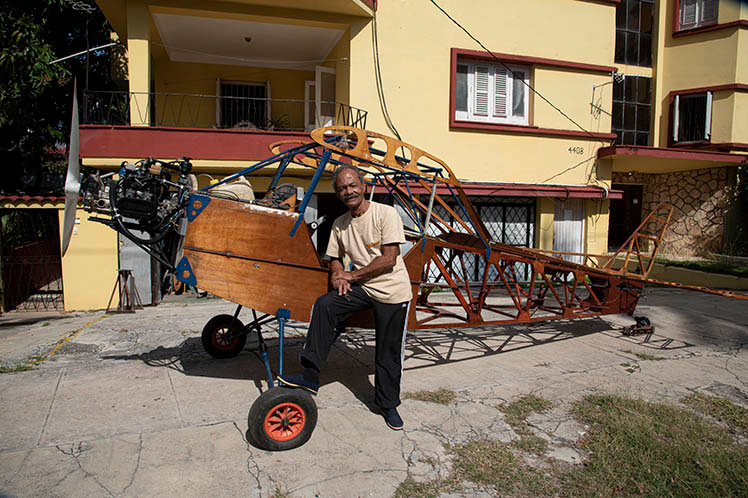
x=260 y=254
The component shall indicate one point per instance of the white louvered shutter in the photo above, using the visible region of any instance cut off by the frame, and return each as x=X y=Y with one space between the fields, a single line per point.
x=481 y=90
x=708 y=11
x=500 y=92
x=688 y=12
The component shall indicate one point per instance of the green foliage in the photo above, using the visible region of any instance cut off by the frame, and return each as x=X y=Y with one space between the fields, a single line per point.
x=708 y=266
x=441 y=396
x=640 y=448
x=719 y=408
x=35 y=94
x=518 y=410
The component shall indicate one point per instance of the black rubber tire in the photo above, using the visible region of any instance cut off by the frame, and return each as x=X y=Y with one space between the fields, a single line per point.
x=642 y=321
x=268 y=411
x=213 y=337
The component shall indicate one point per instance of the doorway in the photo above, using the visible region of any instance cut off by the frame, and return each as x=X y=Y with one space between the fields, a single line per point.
x=625 y=214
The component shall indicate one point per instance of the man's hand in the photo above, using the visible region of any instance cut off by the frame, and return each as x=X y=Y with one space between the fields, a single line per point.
x=341 y=282
x=339 y=278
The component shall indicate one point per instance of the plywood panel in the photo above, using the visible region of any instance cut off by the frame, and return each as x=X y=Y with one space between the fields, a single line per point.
x=263 y=286
x=247 y=230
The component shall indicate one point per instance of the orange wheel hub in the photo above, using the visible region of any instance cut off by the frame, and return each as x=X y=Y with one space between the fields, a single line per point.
x=284 y=422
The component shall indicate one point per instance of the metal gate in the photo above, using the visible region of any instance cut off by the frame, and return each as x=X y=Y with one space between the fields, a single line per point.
x=509 y=221
x=31 y=261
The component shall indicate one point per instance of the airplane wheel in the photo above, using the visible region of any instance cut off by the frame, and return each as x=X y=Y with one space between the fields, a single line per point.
x=282 y=419
x=642 y=322
x=214 y=337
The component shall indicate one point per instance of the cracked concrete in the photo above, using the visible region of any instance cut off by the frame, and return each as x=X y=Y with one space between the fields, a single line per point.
x=132 y=406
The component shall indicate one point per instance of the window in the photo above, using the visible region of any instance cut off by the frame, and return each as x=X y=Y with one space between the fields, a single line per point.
x=634 y=32
x=697 y=13
x=692 y=118
x=632 y=107
x=242 y=105
x=491 y=93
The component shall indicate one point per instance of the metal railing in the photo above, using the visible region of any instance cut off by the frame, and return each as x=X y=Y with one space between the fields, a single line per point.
x=210 y=111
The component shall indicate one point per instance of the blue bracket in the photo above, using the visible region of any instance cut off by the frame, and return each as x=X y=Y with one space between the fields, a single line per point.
x=197 y=203
x=282 y=315
x=184 y=272
x=310 y=191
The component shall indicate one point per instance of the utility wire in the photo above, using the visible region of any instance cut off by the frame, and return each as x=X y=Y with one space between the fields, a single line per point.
x=509 y=69
x=378 y=77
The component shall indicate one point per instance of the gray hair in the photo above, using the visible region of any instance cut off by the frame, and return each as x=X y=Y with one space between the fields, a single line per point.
x=344 y=167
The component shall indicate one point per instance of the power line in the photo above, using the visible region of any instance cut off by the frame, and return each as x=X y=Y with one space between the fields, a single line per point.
x=513 y=73
x=378 y=78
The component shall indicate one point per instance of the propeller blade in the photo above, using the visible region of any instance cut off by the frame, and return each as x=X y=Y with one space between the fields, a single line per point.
x=72 y=181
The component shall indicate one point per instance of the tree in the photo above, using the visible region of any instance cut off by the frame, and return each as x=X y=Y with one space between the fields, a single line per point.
x=36 y=95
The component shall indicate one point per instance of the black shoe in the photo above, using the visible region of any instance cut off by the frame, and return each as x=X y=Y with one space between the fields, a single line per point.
x=298 y=380
x=392 y=419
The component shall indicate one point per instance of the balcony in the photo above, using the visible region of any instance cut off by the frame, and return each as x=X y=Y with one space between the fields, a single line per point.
x=215 y=112
x=122 y=125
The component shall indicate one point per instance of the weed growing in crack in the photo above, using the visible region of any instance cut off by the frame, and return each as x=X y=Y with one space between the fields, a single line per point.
x=637 y=447
x=441 y=396
x=535 y=445
x=644 y=356
x=5 y=369
x=518 y=410
x=719 y=408
x=410 y=488
x=492 y=463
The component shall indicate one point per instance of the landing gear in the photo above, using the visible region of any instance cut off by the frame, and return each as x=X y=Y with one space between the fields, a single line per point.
x=221 y=339
x=282 y=419
x=643 y=326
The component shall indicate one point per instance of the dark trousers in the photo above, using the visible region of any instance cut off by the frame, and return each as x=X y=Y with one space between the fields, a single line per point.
x=332 y=310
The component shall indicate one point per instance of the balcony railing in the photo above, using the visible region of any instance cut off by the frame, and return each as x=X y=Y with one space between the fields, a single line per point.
x=210 y=111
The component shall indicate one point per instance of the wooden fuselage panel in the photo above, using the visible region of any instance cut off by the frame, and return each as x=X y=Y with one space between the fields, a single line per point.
x=244 y=253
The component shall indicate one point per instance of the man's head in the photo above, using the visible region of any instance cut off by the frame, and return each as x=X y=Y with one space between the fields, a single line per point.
x=349 y=186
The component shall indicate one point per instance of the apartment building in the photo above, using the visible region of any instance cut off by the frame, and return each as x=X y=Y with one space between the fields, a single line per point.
x=678 y=110
x=566 y=119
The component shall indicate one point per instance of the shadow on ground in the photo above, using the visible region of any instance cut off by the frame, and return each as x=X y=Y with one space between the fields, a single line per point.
x=352 y=358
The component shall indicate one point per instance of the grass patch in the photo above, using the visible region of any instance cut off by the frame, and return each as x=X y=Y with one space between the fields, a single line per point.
x=719 y=408
x=411 y=488
x=644 y=356
x=23 y=367
x=708 y=266
x=518 y=410
x=535 y=445
x=441 y=396
x=492 y=463
x=641 y=448
x=28 y=364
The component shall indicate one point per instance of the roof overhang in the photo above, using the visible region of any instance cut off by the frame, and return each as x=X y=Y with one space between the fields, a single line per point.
x=503 y=189
x=628 y=158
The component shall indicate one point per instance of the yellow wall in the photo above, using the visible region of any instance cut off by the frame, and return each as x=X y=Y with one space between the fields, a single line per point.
x=200 y=79
x=596 y=225
x=544 y=223
x=89 y=267
x=415 y=69
x=702 y=60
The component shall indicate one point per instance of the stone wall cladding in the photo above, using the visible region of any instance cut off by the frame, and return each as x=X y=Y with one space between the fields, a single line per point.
x=699 y=198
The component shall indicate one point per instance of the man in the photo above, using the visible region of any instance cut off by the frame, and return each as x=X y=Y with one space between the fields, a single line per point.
x=370 y=235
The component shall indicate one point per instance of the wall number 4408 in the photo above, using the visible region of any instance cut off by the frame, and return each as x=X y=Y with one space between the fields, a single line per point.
x=576 y=150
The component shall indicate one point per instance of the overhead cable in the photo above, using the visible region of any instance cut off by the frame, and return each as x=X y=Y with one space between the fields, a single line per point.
x=510 y=70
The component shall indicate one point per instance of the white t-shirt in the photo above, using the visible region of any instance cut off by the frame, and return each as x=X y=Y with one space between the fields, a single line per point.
x=361 y=239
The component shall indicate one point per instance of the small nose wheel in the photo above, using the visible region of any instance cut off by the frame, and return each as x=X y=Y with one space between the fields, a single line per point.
x=282 y=419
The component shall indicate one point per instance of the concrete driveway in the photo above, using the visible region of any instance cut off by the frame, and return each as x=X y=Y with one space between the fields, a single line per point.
x=130 y=404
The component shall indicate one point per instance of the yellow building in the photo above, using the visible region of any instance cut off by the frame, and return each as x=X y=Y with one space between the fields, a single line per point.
x=536 y=119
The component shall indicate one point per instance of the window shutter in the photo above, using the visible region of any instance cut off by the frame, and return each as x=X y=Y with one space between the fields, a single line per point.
x=708 y=117
x=688 y=12
x=500 y=92
x=676 y=117
x=708 y=11
x=481 y=90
